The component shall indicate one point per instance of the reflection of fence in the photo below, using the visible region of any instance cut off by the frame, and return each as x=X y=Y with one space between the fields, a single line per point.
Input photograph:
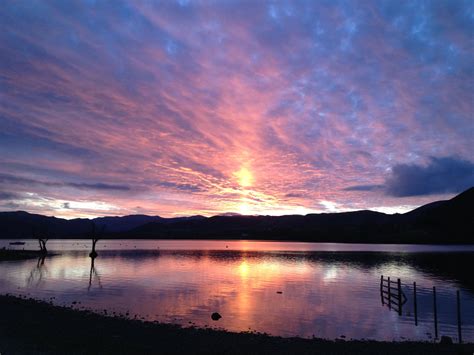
x=392 y=296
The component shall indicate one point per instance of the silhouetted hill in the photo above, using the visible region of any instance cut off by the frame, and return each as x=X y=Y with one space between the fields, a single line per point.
x=125 y=223
x=22 y=224
x=331 y=226
x=438 y=222
x=453 y=218
x=422 y=210
x=27 y=225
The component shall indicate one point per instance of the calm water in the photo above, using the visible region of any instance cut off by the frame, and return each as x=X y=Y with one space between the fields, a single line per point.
x=327 y=290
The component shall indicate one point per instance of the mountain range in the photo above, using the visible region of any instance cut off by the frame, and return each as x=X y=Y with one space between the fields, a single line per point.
x=450 y=221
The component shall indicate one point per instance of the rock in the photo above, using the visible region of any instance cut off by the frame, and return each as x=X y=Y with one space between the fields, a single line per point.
x=215 y=316
x=446 y=340
x=279 y=292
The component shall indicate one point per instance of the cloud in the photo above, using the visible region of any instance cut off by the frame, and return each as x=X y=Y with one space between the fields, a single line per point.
x=8 y=195
x=96 y=186
x=440 y=175
x=363 y=188
x=309 y=98
x=181 y=187
x=87 y=186
x=11 y=206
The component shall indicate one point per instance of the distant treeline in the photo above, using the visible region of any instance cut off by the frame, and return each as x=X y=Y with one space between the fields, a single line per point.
x=449 y=221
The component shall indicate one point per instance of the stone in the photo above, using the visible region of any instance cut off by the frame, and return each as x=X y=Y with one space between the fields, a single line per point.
x=215 y=316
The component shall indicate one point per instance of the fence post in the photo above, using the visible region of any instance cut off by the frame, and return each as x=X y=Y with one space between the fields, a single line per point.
x=459 y=316
x=399 y=297
x=381 y=289
x=415 y=304
x=389 y=295
x=435 y=308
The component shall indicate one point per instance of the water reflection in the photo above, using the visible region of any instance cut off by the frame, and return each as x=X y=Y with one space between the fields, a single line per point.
x=288 y=293
x=37 y=273
x=93 y=274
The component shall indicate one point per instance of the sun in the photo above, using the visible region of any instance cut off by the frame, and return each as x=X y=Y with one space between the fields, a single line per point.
x=245 y=177
x=244 y=208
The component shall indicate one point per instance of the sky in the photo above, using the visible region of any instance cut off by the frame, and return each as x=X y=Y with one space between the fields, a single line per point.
x=177 y=108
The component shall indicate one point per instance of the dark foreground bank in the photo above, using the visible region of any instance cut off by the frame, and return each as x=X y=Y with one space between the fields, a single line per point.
x=29 y=327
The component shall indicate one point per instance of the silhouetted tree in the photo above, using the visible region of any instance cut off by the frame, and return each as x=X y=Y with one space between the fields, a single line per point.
x=95 y=236
x=42 y=244
x=40 y=235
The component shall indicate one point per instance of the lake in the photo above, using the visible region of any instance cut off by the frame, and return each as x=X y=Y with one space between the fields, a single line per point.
x=323 y=290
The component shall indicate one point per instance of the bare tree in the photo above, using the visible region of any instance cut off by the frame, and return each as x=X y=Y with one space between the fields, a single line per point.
x=42 y=240
x=95 y=236
x=42 y=244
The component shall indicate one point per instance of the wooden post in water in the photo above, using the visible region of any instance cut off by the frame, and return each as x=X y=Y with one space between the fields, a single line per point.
x=381 y=289
x=389 y=294
x=459 y=316
x=399 y=297
x=415 y=304
x=435 y=309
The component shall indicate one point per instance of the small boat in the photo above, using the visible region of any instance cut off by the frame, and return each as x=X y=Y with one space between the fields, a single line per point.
x=17 y=243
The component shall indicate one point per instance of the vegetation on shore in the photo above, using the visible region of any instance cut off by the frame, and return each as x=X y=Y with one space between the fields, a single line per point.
x=28 y=326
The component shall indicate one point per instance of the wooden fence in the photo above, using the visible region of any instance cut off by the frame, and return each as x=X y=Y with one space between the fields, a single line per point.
x=392 y=296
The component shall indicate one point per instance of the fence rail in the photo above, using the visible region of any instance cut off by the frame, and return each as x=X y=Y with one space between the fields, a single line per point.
x=393 y=295
x=394 y=298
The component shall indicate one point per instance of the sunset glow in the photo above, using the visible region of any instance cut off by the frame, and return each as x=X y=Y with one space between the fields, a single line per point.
x=183 y=108
x=245 y=177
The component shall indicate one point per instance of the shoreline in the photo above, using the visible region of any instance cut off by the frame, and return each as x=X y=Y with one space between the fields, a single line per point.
x=32 y=326
x=15 y=254
x=253 y=239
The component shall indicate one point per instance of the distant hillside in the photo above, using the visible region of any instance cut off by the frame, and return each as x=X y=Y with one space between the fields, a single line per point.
x=125 y=223
x=438 y=222
x=449 y=221
x=445 y=219
x=26 y=225
x=351 y=226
